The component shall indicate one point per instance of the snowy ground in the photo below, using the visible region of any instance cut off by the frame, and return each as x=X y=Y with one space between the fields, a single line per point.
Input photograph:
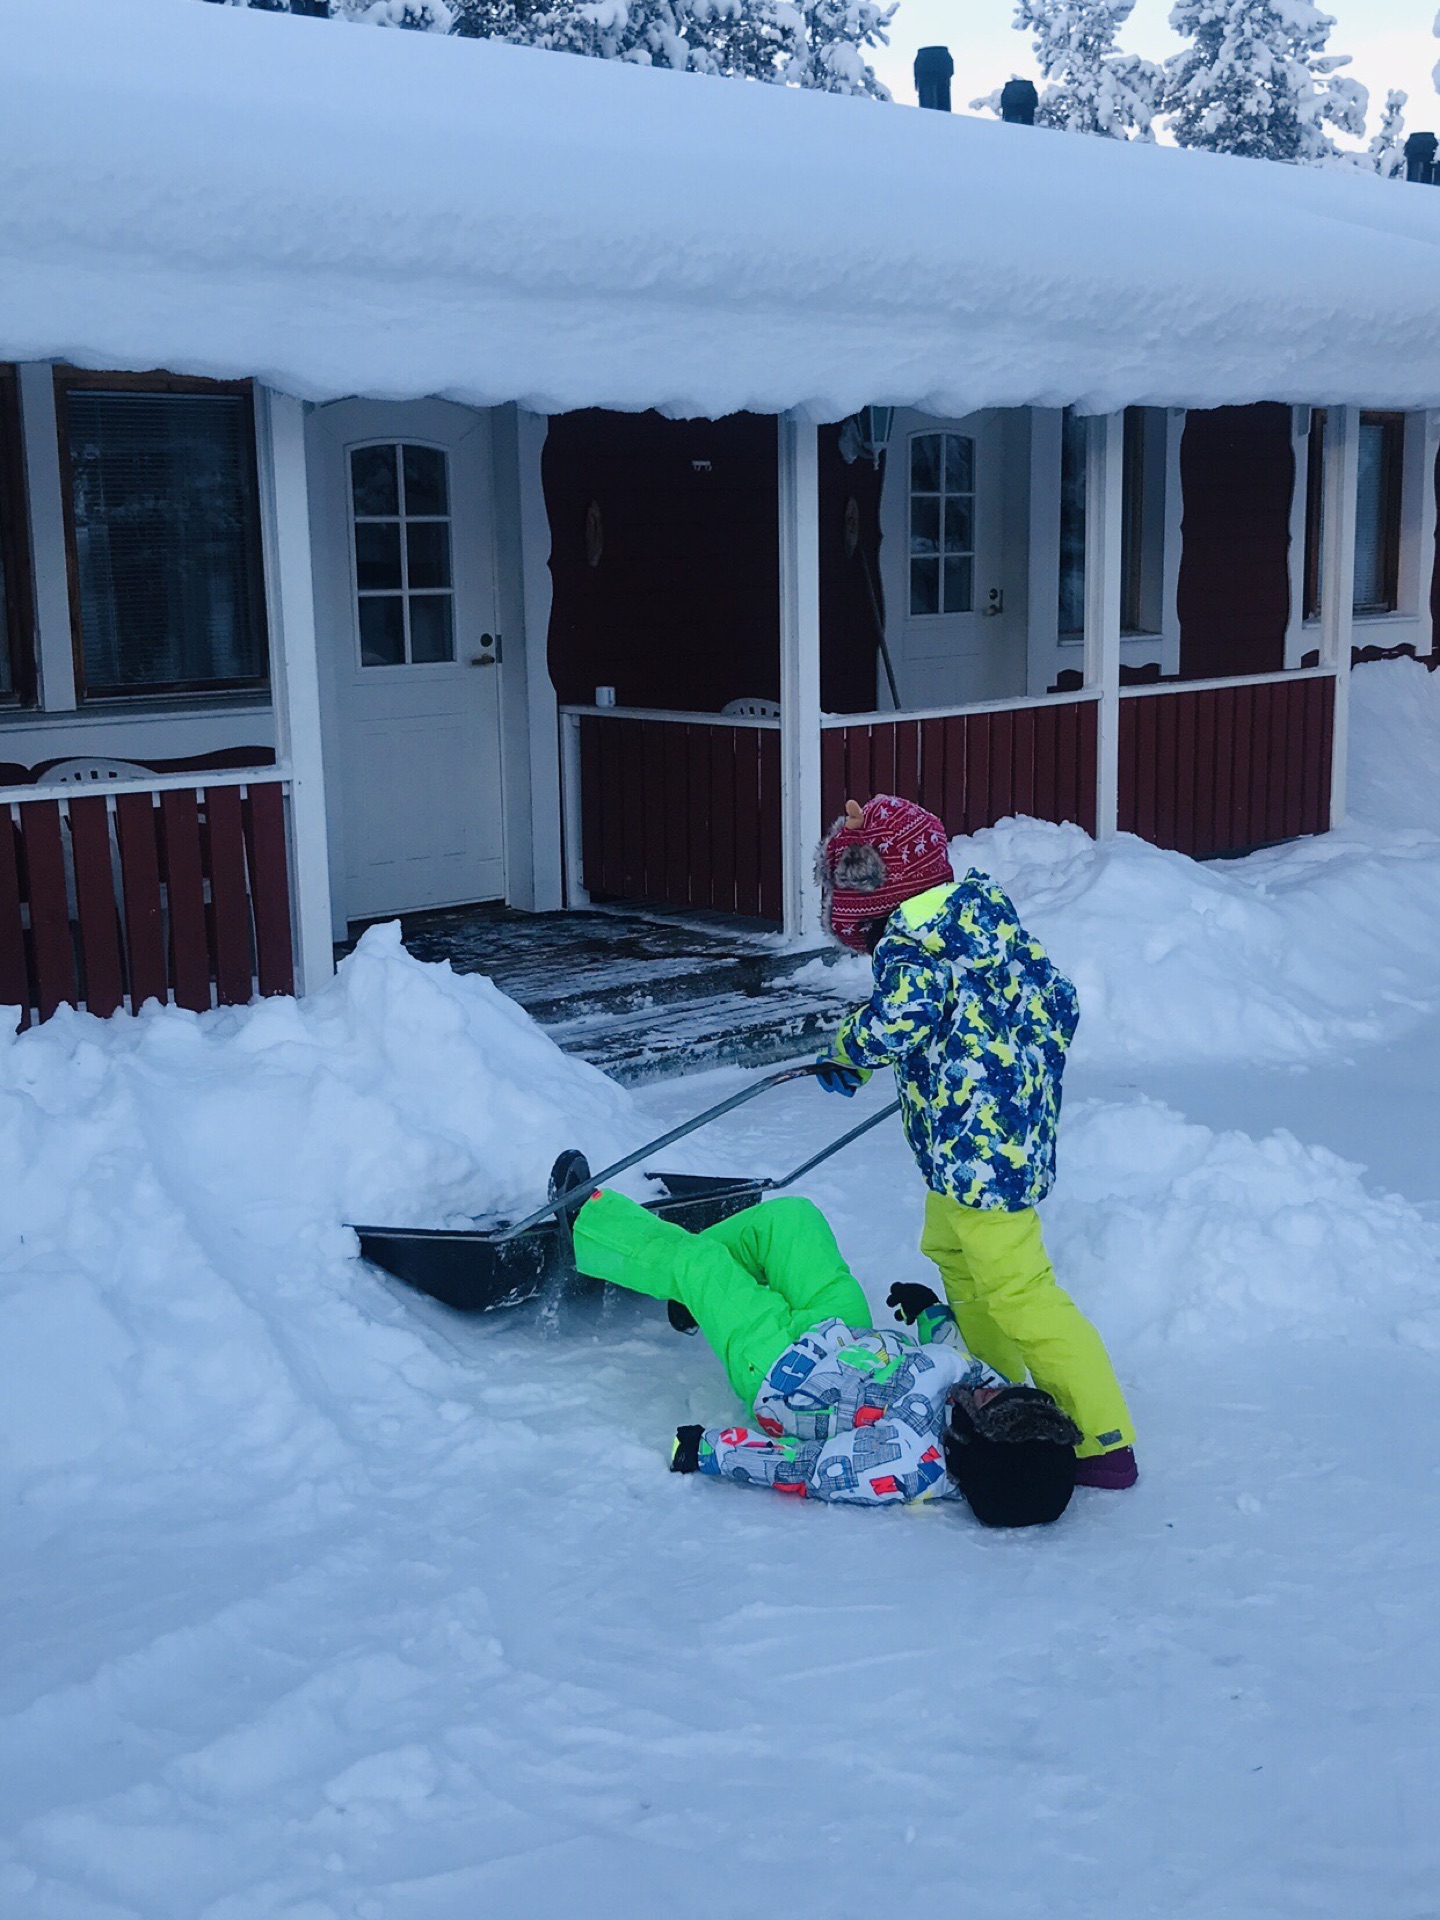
x=324 y=1603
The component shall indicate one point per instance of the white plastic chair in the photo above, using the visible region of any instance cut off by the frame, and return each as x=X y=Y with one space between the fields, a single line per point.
x=753 y=709
x=94 y=772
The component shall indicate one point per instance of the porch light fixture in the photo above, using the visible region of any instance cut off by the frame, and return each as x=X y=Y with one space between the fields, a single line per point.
x=867 y=432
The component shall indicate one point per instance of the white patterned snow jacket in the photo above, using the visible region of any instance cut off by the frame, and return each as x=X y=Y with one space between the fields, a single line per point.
x=853 y=1415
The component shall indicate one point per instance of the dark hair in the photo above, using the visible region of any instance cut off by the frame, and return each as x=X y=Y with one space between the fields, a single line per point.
x=875 y=932
x=1019 y=1473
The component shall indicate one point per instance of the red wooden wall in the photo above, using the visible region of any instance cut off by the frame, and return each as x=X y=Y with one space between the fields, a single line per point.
x=1237 y=475
x=681 y=814
x=110 y=901
x=1220 y=770
x=973 y=768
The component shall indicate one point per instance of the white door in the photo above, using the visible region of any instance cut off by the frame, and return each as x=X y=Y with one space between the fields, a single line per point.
x=942 y=516
x=405 y=598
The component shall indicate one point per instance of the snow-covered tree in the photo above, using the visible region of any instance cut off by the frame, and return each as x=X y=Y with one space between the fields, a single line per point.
x=1093 y=88
x=1386 y=152
x=1256 y=80
x=807 y=43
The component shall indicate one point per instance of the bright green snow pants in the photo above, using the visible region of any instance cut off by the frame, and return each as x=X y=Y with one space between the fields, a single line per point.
x=1012 y=1315
x=755 y=1282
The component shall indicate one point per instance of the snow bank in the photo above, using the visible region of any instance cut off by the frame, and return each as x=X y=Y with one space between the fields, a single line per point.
x=176 y=1281
x=1176 y=1235
x=569 y=232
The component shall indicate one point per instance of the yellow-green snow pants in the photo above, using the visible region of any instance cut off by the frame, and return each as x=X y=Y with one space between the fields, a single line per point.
x=755 y=1282
x=1012 y=1315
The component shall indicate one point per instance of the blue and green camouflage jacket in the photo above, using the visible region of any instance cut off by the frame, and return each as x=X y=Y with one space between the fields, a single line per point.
x=976 y=1020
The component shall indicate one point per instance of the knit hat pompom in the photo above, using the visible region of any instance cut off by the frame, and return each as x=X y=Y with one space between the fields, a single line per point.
x=874 y=857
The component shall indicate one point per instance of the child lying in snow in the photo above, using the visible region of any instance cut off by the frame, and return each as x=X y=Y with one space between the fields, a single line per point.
x=845 y=1413
x=976 y=1020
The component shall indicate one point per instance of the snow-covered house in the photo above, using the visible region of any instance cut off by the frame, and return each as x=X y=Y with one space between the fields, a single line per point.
x=433 y=471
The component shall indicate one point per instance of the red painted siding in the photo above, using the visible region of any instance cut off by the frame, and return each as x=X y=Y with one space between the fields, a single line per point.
x=971 y=768
x=679 y=814
x=110 y=901
x=1218 y=770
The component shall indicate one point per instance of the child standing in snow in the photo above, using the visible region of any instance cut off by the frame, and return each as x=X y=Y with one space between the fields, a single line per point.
x=976 y=1021
x=844 y=1413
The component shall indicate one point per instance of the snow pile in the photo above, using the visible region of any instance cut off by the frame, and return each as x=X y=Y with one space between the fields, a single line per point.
x=1174 y=1234
x=1395 y=745
x=176 y=1281
x=566 y=232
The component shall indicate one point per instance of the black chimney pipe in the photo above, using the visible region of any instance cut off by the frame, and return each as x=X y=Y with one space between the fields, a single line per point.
x=933 y=69
x=1018 y=101
x=1420 y=150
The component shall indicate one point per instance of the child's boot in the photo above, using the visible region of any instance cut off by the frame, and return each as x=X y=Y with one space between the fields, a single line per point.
x=1114 y=1470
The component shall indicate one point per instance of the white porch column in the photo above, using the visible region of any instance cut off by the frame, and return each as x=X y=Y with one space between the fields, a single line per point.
x=1337 y=580
x=800 y=824
x=295 y=677
x=1104 y=509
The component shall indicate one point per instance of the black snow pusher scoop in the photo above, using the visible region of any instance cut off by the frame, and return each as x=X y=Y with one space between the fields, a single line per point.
x=502 y=1263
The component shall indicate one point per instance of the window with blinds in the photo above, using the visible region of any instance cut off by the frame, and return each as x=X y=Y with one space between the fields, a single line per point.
x=165 y=530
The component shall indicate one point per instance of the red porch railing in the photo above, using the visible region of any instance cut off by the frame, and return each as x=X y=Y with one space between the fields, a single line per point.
x=173 y=888
x=1223 y=767
x=679 y=810
x=972 y=766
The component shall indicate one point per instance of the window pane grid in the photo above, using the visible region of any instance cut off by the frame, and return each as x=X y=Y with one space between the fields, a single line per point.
x=942 y=523
x=400 y=496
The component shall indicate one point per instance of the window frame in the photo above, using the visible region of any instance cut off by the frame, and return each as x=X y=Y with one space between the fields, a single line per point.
x=69 y=380
x=1392 y=507
x=940 y=495
x=405 y=593
x=18 y=637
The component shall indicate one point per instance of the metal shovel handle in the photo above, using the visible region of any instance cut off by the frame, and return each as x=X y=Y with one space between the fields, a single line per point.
x=775 y=1186
x=586 y=1187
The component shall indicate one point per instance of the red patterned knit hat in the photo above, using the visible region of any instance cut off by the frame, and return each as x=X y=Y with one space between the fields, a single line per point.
x=875 y=857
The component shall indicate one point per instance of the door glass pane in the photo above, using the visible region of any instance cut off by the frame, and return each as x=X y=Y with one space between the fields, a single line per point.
x=924 y=525
x=431 y=627
x=382 y=630
x=925 y=463
x=163 y=509
x=959 y=590
x=425 y=487
x=959 y=463
x=429 y=554
x=377 y=556
x=400 y=497
x=959 y=525
x=924 y=586
x=372 y=476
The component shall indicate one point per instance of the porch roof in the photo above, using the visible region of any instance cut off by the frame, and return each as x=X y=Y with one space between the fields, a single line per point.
x=337 y=211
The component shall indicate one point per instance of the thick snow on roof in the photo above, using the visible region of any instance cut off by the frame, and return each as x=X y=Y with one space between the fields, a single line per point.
x=344 y=210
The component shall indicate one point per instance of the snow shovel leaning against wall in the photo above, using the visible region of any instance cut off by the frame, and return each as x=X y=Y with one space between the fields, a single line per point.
x=501 y=1263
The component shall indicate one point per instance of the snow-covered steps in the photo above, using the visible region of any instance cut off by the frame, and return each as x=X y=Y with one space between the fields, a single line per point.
x=642 y=996
x=750 y=1029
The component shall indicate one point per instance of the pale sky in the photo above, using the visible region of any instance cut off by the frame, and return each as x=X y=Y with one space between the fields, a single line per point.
x=1390 y=42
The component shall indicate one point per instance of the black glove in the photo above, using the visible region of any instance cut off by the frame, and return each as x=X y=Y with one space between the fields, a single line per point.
x=910 y=1299
x=685 y=1457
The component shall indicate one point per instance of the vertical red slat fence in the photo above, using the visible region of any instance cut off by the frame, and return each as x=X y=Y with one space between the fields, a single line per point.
x=679 y=813
x=110 y=900
x=970 y=768
x=1218 y=770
